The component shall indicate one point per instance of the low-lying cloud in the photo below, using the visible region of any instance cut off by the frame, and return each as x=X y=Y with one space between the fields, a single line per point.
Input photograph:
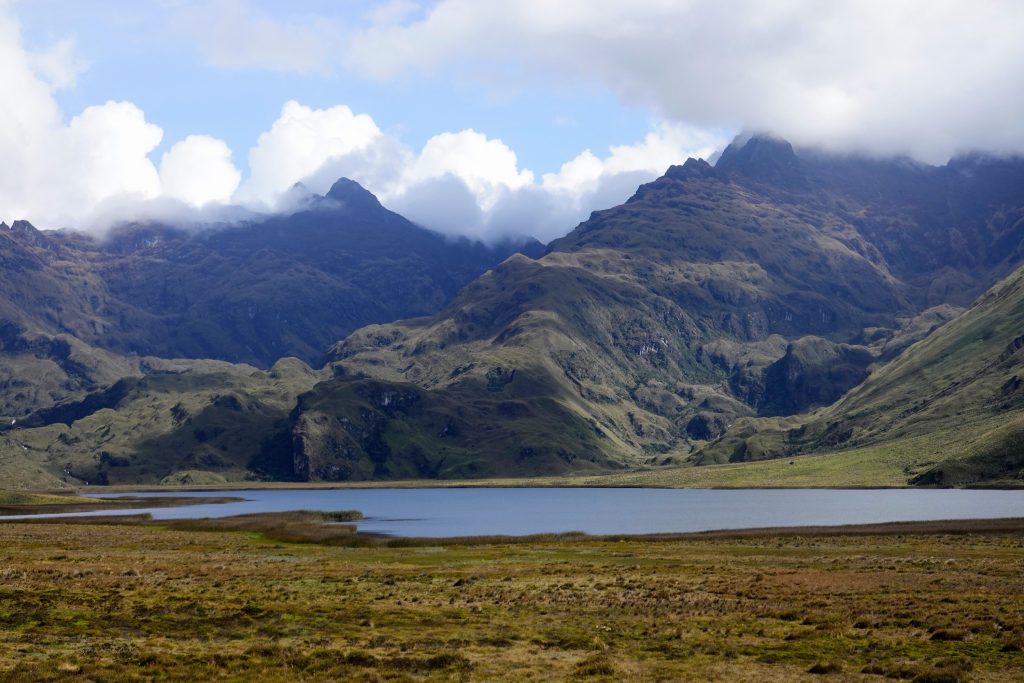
x=466 y=183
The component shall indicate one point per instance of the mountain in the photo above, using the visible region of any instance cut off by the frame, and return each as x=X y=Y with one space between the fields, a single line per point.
x=723 y=313
x=771 y=283
x=961 y=386
x=186 y=421
x=253 y=292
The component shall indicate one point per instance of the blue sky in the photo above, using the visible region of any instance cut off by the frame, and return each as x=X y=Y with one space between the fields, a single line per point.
x=134 y=51
x=475 y=117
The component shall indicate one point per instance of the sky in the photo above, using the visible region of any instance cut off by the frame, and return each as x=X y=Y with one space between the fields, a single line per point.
x=473 y=117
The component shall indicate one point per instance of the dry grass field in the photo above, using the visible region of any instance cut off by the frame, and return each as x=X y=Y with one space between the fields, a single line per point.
x=103 y=601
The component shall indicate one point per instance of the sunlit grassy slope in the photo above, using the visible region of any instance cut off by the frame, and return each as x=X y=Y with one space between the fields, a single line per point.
x=948 y=411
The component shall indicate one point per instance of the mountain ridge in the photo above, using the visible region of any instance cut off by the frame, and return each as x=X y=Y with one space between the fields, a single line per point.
x=717 y=303
x=251 y=292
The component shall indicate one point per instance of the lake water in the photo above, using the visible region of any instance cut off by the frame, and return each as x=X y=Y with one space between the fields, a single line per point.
x=521 y=511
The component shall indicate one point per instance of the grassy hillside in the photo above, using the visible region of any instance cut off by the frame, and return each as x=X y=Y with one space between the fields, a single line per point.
x=712 y=296
x=183 y=421
x=957 y=396
x=251 y=292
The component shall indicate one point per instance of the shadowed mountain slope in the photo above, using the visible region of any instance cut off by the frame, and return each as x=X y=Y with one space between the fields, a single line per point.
x=286 y=285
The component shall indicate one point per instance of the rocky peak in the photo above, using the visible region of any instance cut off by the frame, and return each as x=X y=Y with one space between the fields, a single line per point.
x=353 y=196
x=691 y=168
x=763 y=158
x=28 y=233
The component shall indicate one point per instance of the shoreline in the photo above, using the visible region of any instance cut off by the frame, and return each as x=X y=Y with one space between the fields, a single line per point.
x=306 y=526
x=485 y=483
x=30 y=510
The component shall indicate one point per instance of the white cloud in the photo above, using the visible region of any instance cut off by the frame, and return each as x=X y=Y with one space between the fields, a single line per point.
x=107 y=148
x=53 y=172
x=459 y=182
x=231 y=34
x=58 y=65
x=508 y=201
x=96 y=168
x=393 y=12
x=299 y=142
x=198 y=170
x=664 y=146
x=487 y=166
x=925 y=77
x=59 y=174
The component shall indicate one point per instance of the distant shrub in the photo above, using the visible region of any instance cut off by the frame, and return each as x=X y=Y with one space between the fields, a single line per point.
x=825 y=668
x=595 y=665
x=343 y=516
x=949 y=634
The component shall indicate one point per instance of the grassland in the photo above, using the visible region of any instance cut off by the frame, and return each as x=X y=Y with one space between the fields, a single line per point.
x=122 y=602
x=28 y=498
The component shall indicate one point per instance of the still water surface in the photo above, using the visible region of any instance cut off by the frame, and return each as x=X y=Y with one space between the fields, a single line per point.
x=521 y=511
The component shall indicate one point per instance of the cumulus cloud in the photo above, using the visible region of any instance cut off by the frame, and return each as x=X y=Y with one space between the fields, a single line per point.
x=71 y=174
x=107 y=149
x=462 y=182
x=487 y=166
x=929 y=78
x=299 y=142
x=199 y=170
x=94 y=169
x=453 y=169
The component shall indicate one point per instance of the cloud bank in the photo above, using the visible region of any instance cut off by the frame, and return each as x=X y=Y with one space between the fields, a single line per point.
x=928 y=78
x=465 y=182
x=97 y=169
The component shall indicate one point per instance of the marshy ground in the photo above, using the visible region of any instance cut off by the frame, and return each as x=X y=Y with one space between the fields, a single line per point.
x=240 y=601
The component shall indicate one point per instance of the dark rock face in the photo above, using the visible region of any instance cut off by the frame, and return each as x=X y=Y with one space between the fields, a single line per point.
x=814 y=372
x=705 y=426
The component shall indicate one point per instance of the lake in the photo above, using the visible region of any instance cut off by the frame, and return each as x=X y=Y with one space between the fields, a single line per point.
x=445 y=512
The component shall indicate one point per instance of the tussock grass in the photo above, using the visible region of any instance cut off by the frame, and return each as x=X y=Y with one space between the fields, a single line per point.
x=105 y=601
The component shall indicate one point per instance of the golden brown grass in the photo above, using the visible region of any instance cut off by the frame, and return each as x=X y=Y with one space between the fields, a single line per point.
x=97 y=601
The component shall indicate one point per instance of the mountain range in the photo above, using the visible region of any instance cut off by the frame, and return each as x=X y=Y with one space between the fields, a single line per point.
x=779 y=302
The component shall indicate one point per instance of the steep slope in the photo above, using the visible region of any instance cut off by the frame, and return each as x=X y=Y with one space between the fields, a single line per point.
x=962 y=386
x=286 y=285
x=769 y=283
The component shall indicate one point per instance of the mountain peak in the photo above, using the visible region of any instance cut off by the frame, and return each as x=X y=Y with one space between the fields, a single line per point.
x=762 y=157
x=690 y=168
x=353 y=195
